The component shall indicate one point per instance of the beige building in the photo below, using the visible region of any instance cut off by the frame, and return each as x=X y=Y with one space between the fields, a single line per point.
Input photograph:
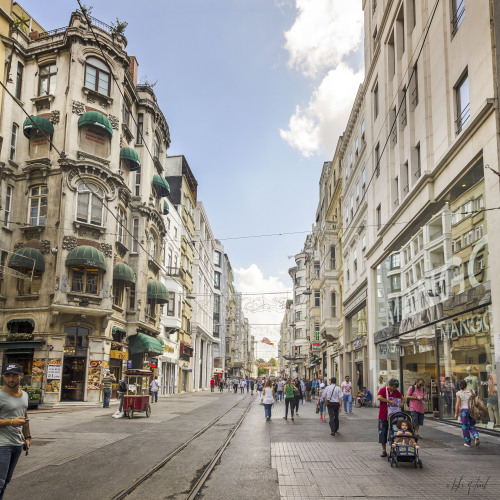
x=82 y=232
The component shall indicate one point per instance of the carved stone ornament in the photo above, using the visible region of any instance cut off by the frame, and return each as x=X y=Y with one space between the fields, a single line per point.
x=93 y=233
x=45 y=246
x=18 y=245
x=115 y=122
x=69 y=242
x=55 y=116
x=78 y=108
x=106 y=249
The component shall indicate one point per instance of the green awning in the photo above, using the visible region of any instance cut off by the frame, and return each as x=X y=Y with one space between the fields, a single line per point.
x=122 y=272
x=22 y=320
x=161 y=185
x=86 y=256
x=157 y=291
x=117 y=329
x=28 y=344
x=26 y=257
x=37 y=123
x=131 y=156
x=166 y=208
x=141 y=343
x=97 y=119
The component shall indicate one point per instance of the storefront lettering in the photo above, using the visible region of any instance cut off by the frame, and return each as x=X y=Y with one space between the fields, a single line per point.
x=468 y=326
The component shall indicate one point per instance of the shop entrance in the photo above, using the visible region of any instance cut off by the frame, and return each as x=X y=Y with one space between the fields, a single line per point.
x=74 y=364
x=359 y=375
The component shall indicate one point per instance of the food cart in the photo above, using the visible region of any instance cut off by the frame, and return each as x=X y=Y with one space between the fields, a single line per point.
x=136 y=399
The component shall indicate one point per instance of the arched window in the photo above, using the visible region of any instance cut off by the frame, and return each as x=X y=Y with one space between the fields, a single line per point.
x=89 y=206
x=97 y=75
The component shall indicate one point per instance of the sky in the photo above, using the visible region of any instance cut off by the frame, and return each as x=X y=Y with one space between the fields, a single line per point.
x=256 y=94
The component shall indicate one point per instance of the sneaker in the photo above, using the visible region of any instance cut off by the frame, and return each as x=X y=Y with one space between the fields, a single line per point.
x=284 y=418
x=292 y=419
x=332 y=433
x=476 y=441
x=384 y=454
x=467 y=445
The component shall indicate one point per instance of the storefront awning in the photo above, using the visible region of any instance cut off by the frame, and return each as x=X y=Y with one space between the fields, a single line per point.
x=161 y=185
x=26 y=258
x=157 y=291
x=37 y=123
x=22 y=320
x=131 y=157
x=117 y=329
x=142 y=343
x=27 y=344
x=166 y=208
x=122 y=272
x=84 y=255
x=97 y=119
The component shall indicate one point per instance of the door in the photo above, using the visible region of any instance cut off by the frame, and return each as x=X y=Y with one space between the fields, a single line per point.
x=359 y=376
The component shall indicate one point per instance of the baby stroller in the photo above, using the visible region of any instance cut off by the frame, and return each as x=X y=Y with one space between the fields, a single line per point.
x=402 y=452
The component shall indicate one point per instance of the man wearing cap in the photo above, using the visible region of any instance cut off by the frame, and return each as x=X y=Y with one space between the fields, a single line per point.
x=107 y=385
x=14 y=426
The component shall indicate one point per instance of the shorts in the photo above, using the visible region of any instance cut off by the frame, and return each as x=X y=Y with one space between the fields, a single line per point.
x=383 y=427
x=418 y=418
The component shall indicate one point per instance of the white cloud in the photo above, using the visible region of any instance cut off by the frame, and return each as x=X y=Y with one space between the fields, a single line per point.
x=324 y=33
x=316 y=128
x=264 y=311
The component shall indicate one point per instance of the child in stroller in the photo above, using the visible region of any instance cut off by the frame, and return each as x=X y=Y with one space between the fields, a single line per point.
x=403 y=440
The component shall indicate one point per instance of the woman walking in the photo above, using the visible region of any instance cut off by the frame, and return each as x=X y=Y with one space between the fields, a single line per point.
x=297 y=391
x=321 y=402
x=289 y=398
x=259 y=388
x=268 y=399
x=462 y=409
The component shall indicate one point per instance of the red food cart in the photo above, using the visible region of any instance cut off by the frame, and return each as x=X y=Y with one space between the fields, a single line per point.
x=136 y=398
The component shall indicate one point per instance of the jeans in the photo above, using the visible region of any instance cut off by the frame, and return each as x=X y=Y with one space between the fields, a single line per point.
x=447 y=399
x=289 y=402
x=267 y=409
x=121 y=394
x=347 y=398
x=154 y=396
x=280 y=395
x=9 y=455
x=333 y=413
x=106 y=396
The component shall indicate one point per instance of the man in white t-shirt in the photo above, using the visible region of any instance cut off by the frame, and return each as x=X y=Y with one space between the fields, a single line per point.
x=155 y=386
x=332 y=395
x=346 y=387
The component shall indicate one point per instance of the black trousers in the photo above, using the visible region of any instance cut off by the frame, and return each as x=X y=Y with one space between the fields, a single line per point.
x=289 y=402
x=333 y=413
x=297 y=402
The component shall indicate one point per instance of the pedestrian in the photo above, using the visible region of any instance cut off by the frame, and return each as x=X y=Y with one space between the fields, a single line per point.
x=313 y=389
x=281 y=386
x=333 y=397
x=229 y=385
x=346 y=387
x=388 y=395
x=122 y=389
x=462 y=411
x=212 y=384
x=268 y=399
x=242 y=386
x=259 y=388
x=14 y=423
x=289 y=398
x=221 y=385
x=155 y=386
x=321 y=402
x=416 y=396
x=235 y=386
x=308 y=390
x=302 y=390
x=297 y=395
x=107 y=385
x=252 y=386
x=248 y=385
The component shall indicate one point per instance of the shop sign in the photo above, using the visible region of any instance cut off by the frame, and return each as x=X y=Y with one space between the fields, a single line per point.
x=167 y=348
x=118 y=355
x=54 y=369
x=184 y=365
x=316 y=346
x=153 y=363
x=218 y=370
x=94 y=378
x=357 y=344
x=37 y=370
x=477 y=323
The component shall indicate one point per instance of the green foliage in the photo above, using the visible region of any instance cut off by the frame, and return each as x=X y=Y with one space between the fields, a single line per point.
x=119 y=26
x=273 y=362
x=33 y=394
x=87 y=9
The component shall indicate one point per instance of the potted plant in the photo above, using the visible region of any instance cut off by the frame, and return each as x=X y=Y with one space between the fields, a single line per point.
x=19 y=336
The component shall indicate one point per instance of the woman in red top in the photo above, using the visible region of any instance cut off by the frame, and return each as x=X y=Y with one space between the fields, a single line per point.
x=212 y=385
x=386 y=396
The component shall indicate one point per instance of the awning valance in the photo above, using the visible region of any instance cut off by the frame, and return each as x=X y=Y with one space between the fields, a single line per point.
x=157 y=291
x=37 y=123
x=117 y=329
x=122 y=272
x=161 y=185
x=27 y=344
x=22 y=320
x=131 y=156
x=166 y=208
x=85 y=255
x=142 y=343
x=97 y=119
x=27 y=257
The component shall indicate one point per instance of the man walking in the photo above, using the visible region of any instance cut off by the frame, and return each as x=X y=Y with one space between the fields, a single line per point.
x=416 y=396
x=14 y=426
x=347 y=393
x=107 y=385
x=281 y=385
x=333 y=395
x=155 y=386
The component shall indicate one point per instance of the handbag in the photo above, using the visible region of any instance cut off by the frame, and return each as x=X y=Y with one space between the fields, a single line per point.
x=392 y=409
x=317 y=408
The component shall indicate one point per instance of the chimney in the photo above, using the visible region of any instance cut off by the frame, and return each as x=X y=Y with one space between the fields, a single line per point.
x=134 y=65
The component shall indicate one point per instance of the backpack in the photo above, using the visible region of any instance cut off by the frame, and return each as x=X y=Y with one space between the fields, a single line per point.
x=477 y=409
x=122 y=386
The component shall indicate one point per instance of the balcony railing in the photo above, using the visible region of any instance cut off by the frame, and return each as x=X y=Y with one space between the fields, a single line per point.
x=463 y=118
x=99 y=24
x=414 y=96
x=417 y=173
x=458 y=16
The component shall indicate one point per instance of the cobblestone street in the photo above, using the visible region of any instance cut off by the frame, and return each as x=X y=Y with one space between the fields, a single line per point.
x=87 y=454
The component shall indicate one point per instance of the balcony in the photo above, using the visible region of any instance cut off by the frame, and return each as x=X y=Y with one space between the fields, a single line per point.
x=464 y=117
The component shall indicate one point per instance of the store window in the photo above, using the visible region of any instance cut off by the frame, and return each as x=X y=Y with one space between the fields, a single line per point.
x=387 y=362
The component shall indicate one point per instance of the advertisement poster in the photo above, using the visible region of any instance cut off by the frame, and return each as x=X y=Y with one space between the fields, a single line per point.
x=52 y=386
x=54 y=369
x=94 y=376
x=37 y=370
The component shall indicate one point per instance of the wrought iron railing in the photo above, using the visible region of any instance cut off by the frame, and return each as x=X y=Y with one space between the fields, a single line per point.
x=463 y=118
x=457 y=18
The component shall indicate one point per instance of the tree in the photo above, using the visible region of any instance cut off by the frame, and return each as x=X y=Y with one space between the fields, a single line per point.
x=273 y=362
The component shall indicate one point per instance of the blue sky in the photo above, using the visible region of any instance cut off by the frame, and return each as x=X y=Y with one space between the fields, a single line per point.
x=256 y=93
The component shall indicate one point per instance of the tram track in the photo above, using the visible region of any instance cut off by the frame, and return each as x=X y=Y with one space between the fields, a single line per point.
x=203 y=474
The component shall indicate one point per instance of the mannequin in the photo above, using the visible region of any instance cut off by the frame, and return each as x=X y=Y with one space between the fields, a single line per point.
x=492 y=402
x=472 y=380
